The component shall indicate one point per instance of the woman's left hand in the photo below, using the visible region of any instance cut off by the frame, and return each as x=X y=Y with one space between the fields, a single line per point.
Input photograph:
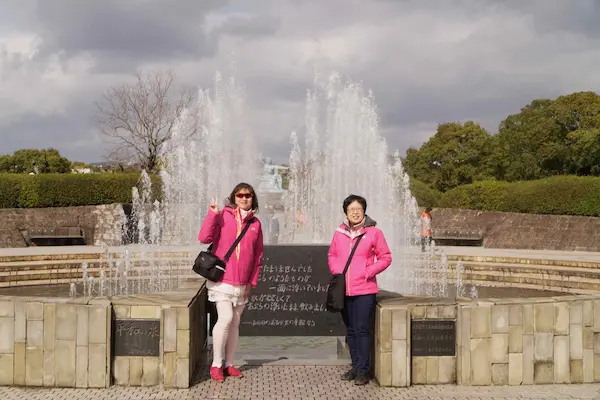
x=247 y=292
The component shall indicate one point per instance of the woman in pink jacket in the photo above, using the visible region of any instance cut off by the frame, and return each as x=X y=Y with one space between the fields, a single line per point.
x=221 y=228
x=372 y=256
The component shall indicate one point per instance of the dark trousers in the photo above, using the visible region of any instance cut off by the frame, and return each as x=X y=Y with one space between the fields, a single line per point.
x=358 y=315
x=425 y=240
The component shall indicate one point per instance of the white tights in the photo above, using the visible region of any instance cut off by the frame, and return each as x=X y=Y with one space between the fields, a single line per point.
x=226 y=332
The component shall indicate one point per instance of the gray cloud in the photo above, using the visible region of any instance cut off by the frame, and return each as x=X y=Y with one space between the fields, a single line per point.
x=426 y=62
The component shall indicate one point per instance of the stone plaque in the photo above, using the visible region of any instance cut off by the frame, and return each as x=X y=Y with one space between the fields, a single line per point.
x=136 y=337
x=433 y=338
x=289 y=299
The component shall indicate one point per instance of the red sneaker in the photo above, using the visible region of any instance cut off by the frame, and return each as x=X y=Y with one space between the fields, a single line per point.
x=233 y=371
x=216 y=374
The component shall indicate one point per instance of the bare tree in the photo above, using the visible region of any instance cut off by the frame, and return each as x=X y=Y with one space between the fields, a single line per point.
x=139 y=118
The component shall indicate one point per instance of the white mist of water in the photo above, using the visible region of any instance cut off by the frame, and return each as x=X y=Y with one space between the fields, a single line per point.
x=344 y=153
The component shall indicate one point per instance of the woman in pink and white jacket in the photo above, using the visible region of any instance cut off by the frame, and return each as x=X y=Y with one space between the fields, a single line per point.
x=221 y=228
x=372 y=256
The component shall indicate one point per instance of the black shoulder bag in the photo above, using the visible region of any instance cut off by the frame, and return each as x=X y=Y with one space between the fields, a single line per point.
x=212 y=267
x=336 y=291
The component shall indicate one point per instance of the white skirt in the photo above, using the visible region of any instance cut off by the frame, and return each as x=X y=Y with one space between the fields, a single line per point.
x=219 y=291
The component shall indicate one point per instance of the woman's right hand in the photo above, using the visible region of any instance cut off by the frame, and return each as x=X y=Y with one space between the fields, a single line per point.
x=214 y=205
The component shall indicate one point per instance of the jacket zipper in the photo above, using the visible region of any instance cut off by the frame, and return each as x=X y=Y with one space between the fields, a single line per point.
x=349 y=266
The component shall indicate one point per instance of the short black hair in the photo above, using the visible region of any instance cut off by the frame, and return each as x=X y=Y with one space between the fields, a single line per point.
x=241 y=186
x=351 y=199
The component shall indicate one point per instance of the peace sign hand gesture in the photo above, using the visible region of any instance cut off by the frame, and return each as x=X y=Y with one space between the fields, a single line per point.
x=214 y=205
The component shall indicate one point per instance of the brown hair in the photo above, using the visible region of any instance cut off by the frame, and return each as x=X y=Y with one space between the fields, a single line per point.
x=241 y=186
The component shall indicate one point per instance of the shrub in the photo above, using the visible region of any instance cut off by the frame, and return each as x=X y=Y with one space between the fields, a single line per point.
x=565 y=195
x=64 y=190
x=424 y=194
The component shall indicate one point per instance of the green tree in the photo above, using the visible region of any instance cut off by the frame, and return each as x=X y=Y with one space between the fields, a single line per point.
x=457 y=154
x=28 y=160
x=550 y=137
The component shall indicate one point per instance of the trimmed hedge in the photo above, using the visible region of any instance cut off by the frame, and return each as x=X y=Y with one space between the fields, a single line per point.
x=63 y=190
x=424 y=194
x=558 y=195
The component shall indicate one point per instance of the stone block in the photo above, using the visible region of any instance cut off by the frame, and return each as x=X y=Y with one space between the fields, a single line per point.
x=385 y=330
x=481 y=321
x=35 y=333
x=447 y=371
x=182 y=375
x=576 y=313
x=576 y=371
x=145 y=312
x=48 y=378
x=448 y=312
x=399 y=324
x=82 y=326
x=170 y=330
x=150 y=371
x=81 y=367
x=121 y=371
x=562 y=363
x=170 y=361
x=385 y=369
x=544 y=347
x=588 y=366
x=98 y=325
x=596 y=324
x=6 y=369
x=183 y=343
x=19 y=366
x=49 y=327
x=596 y=342
x=500 y=374
x=515 y=369
x=98 y=365
x=543 y=372
x=66 y=323
x=588 y=313
x=528 y=319
x=20 y=322
x=588 y=338
x=34 y=362
x=433 y=370
x=528 y=359
x=418 y=312
x=65 y=358
x=500 y=319
x=561 y=323
x=419 y=370
x=399 y=362
x=576 y=342
x=464 y=346
x=515 y=315
x=480 y=361
x=34 y=311
x=544 y=317
x=7 y=335
x=135 y=371
x=432 y=312
x=7 y=309
x=515 y=339
x=183 y=318
x=499 y=348
x=122 y=311
x=596 y=367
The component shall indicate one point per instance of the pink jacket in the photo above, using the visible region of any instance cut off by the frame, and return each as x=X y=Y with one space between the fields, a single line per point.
x=371 y=257
x=221 y=229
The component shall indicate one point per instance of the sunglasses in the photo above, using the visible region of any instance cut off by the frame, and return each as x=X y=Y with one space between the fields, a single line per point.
x=243 y=195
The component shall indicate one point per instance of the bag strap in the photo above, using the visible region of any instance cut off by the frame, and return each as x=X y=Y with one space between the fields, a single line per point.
x=352 y=253
x=237 y=240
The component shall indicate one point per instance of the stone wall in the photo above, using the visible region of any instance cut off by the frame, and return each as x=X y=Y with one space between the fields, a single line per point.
x=51 y=343
x=101 y=224
x=524 y=341
x=523 y=231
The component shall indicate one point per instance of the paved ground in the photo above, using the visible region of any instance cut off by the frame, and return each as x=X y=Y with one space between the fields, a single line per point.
x=305 y=382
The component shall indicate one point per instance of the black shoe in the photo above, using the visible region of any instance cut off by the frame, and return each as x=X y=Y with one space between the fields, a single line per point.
x=361 y=379
x=349 y=376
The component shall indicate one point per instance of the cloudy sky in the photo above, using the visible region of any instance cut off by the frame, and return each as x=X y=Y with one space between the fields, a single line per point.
x=427 y=62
